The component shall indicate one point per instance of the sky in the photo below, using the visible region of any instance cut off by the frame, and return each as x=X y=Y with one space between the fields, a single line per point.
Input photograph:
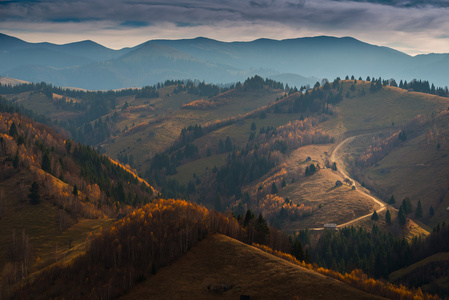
x=410 y=26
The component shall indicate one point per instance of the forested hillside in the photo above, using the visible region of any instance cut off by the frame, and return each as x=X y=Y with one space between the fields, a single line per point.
x=52 y=192
x=265 y=154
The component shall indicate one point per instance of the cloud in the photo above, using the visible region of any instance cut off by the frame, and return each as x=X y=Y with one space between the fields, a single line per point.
x=380 y=21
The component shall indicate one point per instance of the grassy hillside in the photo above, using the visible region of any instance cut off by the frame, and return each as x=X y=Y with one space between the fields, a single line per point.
x=418 y=169
x=386 y=108
x=223 y=268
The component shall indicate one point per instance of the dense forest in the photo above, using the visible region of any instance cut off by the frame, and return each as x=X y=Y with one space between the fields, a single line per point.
x=102 y=184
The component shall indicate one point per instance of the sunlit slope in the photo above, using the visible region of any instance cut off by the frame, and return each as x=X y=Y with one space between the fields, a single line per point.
x=418 y=169
x=223 y=268
x=153 y=132
x=385 y=108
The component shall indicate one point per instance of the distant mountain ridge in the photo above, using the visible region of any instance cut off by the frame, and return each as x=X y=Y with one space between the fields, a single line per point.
x=300 y=61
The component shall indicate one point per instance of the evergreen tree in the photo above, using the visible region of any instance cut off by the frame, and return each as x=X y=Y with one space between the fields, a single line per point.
x=298 y=250
x=253 y=126
x=419 y=212
x=392 y=201
x=274 y=189
x=401 y=216
x=13 y=130
x=431 y=211
x=388 y=217
x=262 y=230
x=375 y=216
x=75 y=190
x=228 y=144
x=34 y=193
x=46 y=164
x=248 y=217
x=334 y=166
x=284 y=183
x=312 y=169
x=15 y=161
x=407 y=205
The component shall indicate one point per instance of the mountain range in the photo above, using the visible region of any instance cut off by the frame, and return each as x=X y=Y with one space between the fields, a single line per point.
x=300 y=61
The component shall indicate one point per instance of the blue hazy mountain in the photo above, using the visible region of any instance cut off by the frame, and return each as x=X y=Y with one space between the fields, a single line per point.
x=301 y=61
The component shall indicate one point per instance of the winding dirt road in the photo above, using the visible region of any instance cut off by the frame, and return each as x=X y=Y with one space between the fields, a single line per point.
x=335 y=158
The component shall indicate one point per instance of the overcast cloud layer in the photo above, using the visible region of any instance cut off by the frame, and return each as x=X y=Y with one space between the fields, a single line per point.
x=410 y=26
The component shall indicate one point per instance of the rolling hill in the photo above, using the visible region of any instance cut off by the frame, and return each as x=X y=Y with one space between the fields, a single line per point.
x=250 y=149
x=223 y=268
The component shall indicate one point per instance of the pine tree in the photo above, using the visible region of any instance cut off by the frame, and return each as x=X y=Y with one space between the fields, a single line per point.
x=419 y=212
x=431 y=211
x=253 y=126
x=75 y=190
x=298 y=250
x=392 y=201
x=13 y=130
x=15 y=161
x=401 y=216
x=407 y=205
x=284 y=183
x=274 y=189
x=388 y=217
x=46 y=164
x=375 y=216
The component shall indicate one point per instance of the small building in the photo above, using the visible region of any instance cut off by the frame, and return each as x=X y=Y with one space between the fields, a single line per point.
x=338 y=183
x=330 y=226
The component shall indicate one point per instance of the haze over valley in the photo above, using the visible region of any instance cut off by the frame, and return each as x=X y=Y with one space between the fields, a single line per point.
x=252 y=150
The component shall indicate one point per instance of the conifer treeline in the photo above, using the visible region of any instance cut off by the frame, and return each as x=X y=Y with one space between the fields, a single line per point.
x=377 y=253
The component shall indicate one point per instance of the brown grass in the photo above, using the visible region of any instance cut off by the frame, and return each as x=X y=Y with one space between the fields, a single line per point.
x=220 y=261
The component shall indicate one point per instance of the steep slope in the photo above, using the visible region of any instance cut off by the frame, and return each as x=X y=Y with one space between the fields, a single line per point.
x=54 y=191
x=417 y=168
x=220 y=267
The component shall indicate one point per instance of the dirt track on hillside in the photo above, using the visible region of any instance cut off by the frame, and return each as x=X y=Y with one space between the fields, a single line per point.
x=334 y=157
